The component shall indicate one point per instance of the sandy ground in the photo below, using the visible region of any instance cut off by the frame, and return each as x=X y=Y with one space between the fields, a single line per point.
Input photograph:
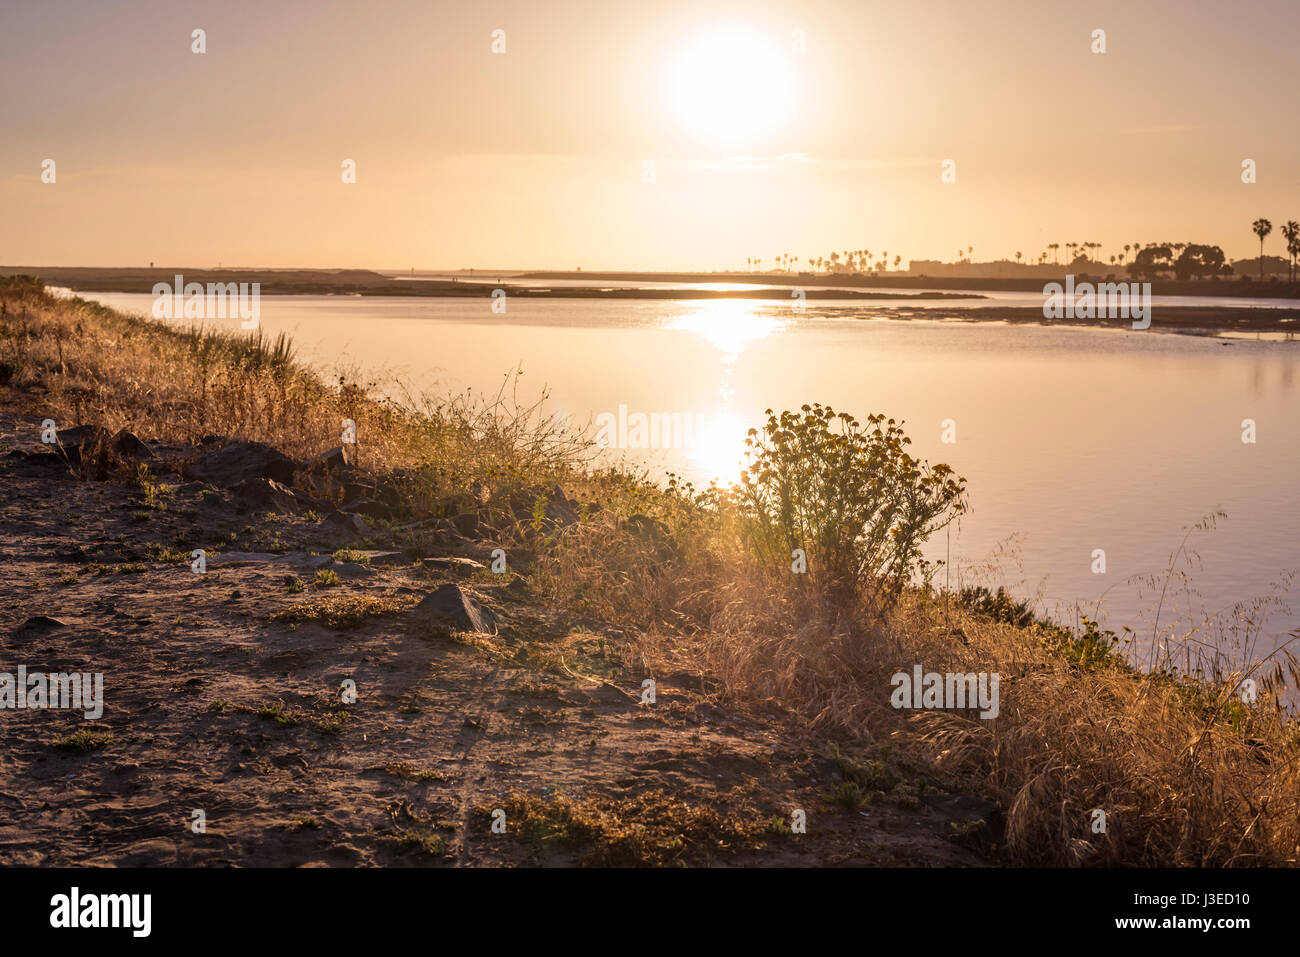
x=214 y=706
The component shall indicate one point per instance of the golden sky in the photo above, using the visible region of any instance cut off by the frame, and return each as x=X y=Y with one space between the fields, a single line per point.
x=536 y=157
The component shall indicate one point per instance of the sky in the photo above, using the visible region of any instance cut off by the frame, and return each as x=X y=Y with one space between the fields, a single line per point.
x=678 y=134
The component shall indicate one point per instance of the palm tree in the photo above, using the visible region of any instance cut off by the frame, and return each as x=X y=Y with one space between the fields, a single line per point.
x=1292 y=233
x=1018 y=255
x=1054 y=247
x=1261 y=228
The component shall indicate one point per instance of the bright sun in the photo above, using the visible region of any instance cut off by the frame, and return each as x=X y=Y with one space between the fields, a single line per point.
x=730 y=84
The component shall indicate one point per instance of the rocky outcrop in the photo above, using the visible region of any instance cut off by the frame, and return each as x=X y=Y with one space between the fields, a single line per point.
x=229 y=465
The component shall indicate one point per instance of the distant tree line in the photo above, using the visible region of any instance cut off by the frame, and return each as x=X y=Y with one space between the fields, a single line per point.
x=1161 y=260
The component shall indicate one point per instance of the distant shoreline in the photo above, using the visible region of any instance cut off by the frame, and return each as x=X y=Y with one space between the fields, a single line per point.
x=1209 y=319
x=362 y=282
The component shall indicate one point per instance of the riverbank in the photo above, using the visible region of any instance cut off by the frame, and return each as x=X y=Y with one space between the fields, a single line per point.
x=361 y=282
x=523 y=689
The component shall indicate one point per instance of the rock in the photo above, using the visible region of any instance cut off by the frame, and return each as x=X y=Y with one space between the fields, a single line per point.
x=356 y=489
x=237 y=462
x=39 y=625
x=129 y=446
x=79 y=442
x=454 y=564
x=348 y=524
x=264 y=493
x=556 y=510
x=368 y=508
x=450 y=608
x=465 y=525
x=654 y=532
x=337 y=459
x=394 y=490
x=83 y=436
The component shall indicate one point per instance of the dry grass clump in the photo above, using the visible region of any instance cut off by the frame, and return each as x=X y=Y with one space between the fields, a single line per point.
x=84 y=364
x=93 y=365
x=651 y=828
x=345 y=611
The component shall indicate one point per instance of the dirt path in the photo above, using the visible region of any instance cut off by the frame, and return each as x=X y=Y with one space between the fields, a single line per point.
x=213 y=706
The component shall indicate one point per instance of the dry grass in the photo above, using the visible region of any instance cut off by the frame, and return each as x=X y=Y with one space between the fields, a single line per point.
x=345 y=611
x=1186 y=773
x=652 y=828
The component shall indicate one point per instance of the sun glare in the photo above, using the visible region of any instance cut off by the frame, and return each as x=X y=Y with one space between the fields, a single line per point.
x=729 y=84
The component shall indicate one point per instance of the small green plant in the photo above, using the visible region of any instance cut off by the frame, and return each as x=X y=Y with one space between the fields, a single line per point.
x=276 y=713
x=326 y=578
x=421 y=839
x=156 y=494
x=353 y=556
x=84 y=741
x=166 y=554
x=777 y=825
x=848 y=795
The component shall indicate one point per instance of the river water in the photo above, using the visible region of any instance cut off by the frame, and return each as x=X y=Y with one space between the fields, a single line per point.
x=1072 y=439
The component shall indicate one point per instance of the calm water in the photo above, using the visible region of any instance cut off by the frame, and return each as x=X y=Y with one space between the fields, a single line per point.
x=1072 y=439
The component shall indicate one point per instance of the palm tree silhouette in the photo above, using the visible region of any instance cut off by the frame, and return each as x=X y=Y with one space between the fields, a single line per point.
x=1292 y=233
x=1261 y=228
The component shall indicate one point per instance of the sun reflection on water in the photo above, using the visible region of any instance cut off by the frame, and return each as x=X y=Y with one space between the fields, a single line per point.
x=728 y=324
